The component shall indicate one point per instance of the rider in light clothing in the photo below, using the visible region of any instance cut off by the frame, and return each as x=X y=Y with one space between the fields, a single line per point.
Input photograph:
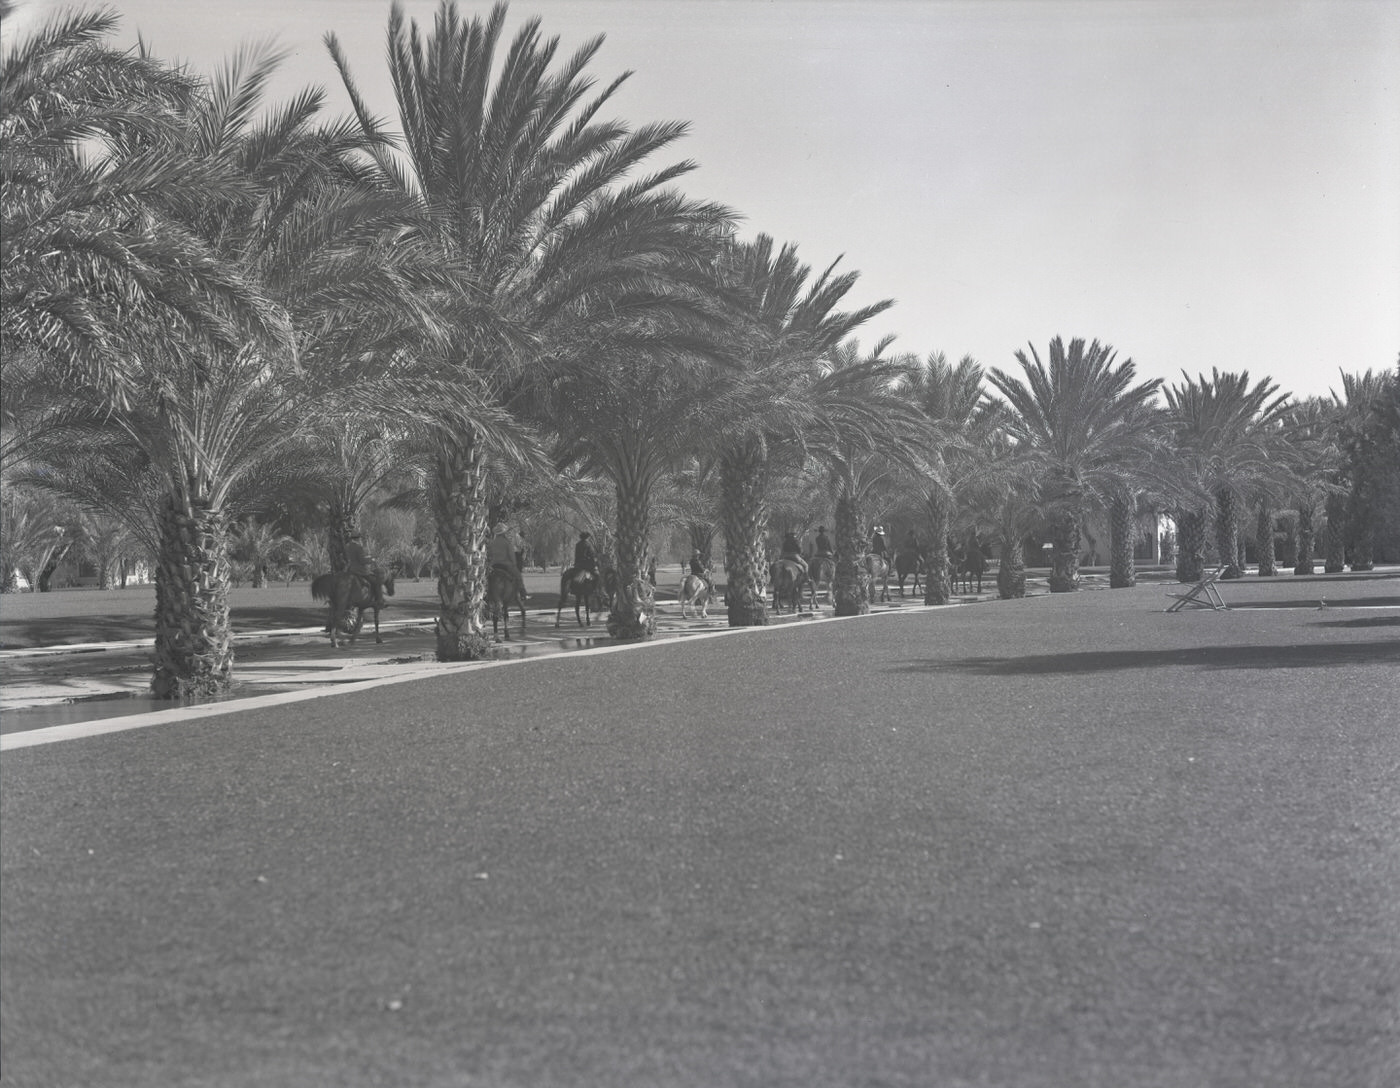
x=500 y=553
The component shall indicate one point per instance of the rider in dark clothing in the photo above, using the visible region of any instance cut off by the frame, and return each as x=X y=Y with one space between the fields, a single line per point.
x=585 y=557
x=792 y=551
x=697 y=565
x=823 y=542
x=363 y=564
x=911 y=544
x=877 y=542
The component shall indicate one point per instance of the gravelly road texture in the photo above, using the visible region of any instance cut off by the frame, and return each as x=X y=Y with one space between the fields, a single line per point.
x=1069 y=841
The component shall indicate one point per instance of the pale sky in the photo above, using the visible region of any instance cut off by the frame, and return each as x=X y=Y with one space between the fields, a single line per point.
x=1199 y=184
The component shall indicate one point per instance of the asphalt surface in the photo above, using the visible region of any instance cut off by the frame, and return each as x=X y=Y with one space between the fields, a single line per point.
x=1067 y=841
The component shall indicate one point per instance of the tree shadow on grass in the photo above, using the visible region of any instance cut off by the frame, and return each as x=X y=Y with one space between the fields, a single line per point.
x=1206 y=657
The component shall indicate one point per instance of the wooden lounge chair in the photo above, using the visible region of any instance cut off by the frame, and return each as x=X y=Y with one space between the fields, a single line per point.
x=1201 y=595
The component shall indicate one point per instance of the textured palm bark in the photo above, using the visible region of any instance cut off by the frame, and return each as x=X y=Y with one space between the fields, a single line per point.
x=459 y=509
x=1191 y=545
x=1122 y=570
x=341 y=525
x=1362 y=524
x=1334 y=552
x=1065 y=536
x=194 y=645
x=1227 y=532
x=1305 y=563
x=633 y=614
x=938 y=572
x=1264 y=541
x=1011 y=570
x=742 y=474
x=1288 y=542
x=851 y=588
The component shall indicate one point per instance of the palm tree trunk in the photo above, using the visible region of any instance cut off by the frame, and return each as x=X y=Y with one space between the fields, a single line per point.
x=1305 y=562
x=1264 y=540
x=1227 y=532
x=459 y=510
x=342 y=524
x=1336 y=556
x=194 y=646
x=1011 y=571
x=1191 y=545
x=744 y=513
x=1064 y=534
x=1288 y=542
x=633 y=614
x=1361 y=520
x=849 y=591
x=1122 y=572
x=937 y=589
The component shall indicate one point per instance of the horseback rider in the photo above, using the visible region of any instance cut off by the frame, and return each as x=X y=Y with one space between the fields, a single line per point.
x=697 y=566
x=911 y=544
x=585 y=558
x=824 y=544
x=364 y=565
x=500 y=553
x=878 y=545
x=792 y=551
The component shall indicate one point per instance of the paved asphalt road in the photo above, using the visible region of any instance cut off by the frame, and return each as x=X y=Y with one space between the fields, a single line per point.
x=1069 y=841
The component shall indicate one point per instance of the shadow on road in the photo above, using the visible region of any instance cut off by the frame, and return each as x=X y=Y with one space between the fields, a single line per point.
x=1208 y=657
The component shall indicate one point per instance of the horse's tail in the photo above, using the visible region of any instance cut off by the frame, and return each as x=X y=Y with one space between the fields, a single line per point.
x=322 y=586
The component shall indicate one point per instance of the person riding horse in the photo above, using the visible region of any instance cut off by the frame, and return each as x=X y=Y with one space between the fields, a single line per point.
x=364 y=565
x=500 y=553
x=824 y=550
x=911 y=544
x=697 y=566
x=792 y=551
x=585 y=558
x=878 y=545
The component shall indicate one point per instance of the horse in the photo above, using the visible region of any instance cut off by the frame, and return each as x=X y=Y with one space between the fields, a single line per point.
x=879 y=572
x=694 y=593
x=605 y=591
x=905 y=564
x=583 y=584
x=502 y=591
x=349 y=596
x=788 y=583
x=823 y=574
x=969 y=563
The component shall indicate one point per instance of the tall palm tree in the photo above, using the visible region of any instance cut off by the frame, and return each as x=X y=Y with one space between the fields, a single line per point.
x=786 y=323
x=1355 y=410
x=83 y=173
x=325 y=253
x=531 y=201
x=1076 y=412
x=960 y=421
x=867 y=440
x=1227 y=446
x=1311 y=438
x=634 y=414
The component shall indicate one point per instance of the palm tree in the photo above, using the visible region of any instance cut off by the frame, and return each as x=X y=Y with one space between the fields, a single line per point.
x=527 y=199
x=1077 y=413
x=1356 y=407
x=1311 y=440
x=785 y=325
x=633 y=415
x=343 y=296
x=1227 y=447
x=83 y=166
x=960 y=421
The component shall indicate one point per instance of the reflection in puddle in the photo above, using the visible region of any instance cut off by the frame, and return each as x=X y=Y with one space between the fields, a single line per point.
x=117 y=704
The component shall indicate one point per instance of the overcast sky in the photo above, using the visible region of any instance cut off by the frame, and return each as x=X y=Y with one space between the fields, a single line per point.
x=1201 y=185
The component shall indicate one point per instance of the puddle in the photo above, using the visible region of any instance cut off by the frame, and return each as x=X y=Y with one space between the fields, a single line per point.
x=115 y=704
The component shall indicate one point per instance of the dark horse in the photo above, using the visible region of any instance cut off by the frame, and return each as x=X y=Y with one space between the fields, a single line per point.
x=905 y=564
x=350 y=595
x=788 y=585
x=583 y=584
x=502 y=591
x=969 y=562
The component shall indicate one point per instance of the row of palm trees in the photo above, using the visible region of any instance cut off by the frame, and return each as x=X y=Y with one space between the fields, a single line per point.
x=215 y=308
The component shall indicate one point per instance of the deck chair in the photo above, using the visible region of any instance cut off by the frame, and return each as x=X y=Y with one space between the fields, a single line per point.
x=1201 y=595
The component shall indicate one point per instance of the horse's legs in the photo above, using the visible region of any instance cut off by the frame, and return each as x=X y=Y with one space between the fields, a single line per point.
x=377 y=638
